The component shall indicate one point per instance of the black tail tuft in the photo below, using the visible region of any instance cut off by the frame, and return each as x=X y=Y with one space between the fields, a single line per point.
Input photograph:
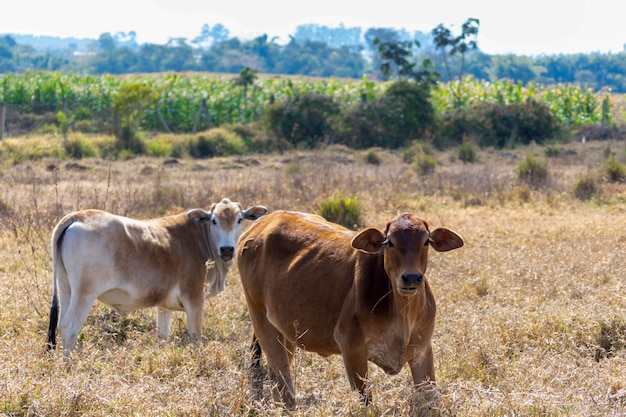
x=52 y=328
x=256 y=351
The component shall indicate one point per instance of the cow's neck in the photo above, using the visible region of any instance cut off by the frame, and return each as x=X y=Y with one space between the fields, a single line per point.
x=414 y=306
x=212 y=253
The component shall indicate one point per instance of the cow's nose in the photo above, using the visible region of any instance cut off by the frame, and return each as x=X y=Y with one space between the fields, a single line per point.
x=412 y=279
x=227 y=251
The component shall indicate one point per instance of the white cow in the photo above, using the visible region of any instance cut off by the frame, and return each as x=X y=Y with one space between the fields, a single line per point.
x=133 y=264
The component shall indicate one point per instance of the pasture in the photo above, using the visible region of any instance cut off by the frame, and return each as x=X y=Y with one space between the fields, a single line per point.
x=531 y=313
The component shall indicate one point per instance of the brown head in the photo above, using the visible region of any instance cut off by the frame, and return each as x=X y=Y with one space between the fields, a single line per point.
x=405 y=244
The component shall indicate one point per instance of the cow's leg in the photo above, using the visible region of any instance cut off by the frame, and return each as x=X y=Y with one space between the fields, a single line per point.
x=257 y=374
x=193 y=310
x=278 y=353
x=423 y=367
x=64 y=293
x=74 y=317
x=279 y=368
x=355 y=361
x=164 y=322
x=354 y=353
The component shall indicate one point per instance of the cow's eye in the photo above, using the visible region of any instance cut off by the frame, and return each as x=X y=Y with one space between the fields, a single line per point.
x=240 y=220
x=213 y=221
x=427 y=242
x=388 y=243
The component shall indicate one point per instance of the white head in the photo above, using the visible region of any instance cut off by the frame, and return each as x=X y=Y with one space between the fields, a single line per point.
x=225 y=222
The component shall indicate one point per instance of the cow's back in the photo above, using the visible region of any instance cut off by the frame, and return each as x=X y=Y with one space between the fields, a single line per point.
x=299 y=269
x=132 y=264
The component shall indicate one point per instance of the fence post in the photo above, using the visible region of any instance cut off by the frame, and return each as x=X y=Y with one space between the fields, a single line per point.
x=3 y=118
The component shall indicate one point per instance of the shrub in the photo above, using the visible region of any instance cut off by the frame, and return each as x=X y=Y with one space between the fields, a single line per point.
x=77 y=146
x=552 y=151
x=532 y=170
x=420 y=156
x=425 y=164
x=345 y=211
x=304 y=120
x=129 y=142
x=498 y=125
x=160 y=146
x=403 y=113
x=416 y=148
x=216 y=142
x=614 y=170
x=105 y=146
x=372 y=158
x=467 y=153
x=586 y=187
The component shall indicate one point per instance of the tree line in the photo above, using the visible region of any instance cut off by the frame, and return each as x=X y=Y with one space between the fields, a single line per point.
x=312 y=51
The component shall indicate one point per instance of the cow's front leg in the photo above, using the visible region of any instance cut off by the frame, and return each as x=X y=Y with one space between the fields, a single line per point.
x=354 y=353
x=164 y=322
x=423 y=367
x=194 y=320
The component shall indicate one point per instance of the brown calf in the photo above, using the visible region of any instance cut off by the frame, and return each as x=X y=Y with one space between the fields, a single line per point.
x=321 y=287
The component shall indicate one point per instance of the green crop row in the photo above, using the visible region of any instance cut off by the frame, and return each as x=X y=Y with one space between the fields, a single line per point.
x=178 y=97
x=572 y=104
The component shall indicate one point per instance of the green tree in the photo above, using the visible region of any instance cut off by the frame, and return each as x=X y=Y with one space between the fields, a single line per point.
x=450 y=45
x=245 y=79
x=395 y=56
x=128 y=104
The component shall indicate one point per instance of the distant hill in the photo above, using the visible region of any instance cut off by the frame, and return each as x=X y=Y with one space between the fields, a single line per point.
x=51 y=43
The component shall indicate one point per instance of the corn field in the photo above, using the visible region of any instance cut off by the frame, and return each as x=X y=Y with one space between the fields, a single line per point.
x=178 y=102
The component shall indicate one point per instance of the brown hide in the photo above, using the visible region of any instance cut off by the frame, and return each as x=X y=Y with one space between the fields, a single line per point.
x=316 y=285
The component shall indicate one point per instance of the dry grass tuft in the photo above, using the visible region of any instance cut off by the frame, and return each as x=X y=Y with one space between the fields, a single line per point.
x=531 y=312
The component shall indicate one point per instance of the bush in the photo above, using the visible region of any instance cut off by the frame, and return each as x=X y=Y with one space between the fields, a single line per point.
x=467 y=153
x=416 y=148
x=160 y=146
x=345 y=211
x=552 y=151
x=425 y=164
x=586 y=187
x=304 y=120
x=372 y=158
x=105 y=146
x=129 y=143
x=216 y=142
x=532 y=171
x=498 y=125
x=77 y=146
x=403 y=113
x=614 y=170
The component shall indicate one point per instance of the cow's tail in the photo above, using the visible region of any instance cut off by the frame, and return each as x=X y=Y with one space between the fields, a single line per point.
x=257 y=374
x=256 y=352
x=57 y=262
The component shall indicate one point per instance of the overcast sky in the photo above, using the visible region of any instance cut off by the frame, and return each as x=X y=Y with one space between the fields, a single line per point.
x=530 y=27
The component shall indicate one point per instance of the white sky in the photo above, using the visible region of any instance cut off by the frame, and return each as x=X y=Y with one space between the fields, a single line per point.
x=530 y=27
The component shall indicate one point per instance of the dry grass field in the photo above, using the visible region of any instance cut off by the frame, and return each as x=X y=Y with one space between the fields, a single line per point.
x=531 y=312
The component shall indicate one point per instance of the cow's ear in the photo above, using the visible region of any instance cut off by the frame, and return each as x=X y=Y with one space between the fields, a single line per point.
x=443 y=240
x=369 y=240
x=254 y=212
x=199 y=215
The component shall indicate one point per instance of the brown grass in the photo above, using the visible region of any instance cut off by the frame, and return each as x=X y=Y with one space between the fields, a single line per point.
x=531 y=312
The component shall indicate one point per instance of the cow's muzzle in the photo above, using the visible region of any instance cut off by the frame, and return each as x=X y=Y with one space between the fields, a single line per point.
x=410 y=283
x=227 y=252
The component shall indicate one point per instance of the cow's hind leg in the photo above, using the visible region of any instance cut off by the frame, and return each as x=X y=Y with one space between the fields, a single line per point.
x=278 y=353
x=74 y=317
x=257 y=373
